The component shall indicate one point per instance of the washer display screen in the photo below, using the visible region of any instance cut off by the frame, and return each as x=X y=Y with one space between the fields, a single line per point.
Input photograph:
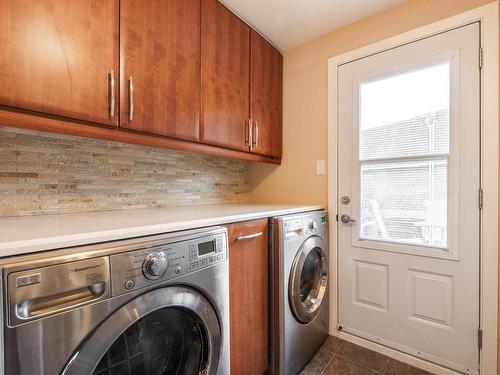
x=206 y=248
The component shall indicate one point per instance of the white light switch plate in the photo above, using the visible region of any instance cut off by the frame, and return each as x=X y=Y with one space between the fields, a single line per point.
x=320 y=167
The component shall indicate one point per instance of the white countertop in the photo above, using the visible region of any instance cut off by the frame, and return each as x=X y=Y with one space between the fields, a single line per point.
x=23 y=235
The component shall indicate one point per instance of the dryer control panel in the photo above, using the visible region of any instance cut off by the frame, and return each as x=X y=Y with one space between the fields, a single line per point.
x=305 y=225
x=141 y=268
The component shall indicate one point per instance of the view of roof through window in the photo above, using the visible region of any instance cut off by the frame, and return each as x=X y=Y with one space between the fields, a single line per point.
x=403 y=152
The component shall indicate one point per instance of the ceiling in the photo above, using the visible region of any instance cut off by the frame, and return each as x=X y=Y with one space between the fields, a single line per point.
x=288 y=23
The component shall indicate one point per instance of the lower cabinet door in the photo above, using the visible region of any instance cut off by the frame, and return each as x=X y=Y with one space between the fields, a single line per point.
x=249 y=286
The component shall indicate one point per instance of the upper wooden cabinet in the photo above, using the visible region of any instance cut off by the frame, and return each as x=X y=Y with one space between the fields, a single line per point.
x=56 y=57
x=225 y=66
x=266 y=96
x=181 y=74
x=242 y=80
x=160 y=67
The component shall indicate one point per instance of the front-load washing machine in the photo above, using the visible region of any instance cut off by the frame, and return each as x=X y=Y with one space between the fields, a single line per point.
x=154 y=305
x=299 y=290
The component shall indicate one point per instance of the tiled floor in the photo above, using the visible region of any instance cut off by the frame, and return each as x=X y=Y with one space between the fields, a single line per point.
x=340 y=357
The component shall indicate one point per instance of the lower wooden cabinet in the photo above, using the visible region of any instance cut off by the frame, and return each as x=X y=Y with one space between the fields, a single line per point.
x=249 y=297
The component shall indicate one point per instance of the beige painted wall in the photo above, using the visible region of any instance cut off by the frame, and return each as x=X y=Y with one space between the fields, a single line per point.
x=305 y=98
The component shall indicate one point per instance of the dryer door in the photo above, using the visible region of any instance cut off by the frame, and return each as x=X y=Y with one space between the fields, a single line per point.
x=172 y=330
x=308 y=279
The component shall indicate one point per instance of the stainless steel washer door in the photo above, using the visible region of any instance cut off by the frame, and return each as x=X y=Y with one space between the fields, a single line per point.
x=173 y=330
x=308 y=279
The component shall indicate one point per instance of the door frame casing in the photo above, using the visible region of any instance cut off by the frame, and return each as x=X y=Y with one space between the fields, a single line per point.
x=487 y=15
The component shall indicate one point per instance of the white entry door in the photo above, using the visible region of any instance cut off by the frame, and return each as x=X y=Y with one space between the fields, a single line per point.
x=408 y=156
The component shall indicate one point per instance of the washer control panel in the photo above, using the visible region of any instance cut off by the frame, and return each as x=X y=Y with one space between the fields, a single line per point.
x=141 y=268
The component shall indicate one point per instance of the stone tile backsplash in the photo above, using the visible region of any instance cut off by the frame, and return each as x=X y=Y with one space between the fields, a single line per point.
x=42 y=173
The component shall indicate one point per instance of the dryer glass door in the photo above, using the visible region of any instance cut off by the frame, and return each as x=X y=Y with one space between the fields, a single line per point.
x=168 y=331
x=308 y=279
x=167 y=341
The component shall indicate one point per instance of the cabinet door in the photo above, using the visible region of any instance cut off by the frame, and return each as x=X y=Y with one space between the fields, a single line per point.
x=57 y=57
x=266 y=96
x=249 y=304
x=225 y=62
x=160 y=67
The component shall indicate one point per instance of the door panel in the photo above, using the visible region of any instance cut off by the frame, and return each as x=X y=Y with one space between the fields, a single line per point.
x=57 y=56
x=225 y=62
x=249 y=298
x=160 y=50
x=409 y=161
x=266 y=96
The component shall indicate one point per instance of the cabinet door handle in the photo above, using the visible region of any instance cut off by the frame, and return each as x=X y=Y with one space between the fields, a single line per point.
x=250 y=134
x=256 y=137
x=112 y=93
x=131 y=99
x=250 y=236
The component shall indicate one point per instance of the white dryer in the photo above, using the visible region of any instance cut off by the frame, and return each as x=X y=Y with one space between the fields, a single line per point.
x=299 y=291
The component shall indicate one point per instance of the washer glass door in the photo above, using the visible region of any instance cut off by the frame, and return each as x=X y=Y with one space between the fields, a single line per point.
x=308 y=279
x=167 y=341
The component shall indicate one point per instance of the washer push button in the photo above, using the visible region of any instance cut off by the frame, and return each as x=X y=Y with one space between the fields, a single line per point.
x=192 y=254
x=129 y=284
x=218 y=243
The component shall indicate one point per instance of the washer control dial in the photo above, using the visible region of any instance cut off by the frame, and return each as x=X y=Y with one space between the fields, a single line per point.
x=155 y=265
x=313 y=226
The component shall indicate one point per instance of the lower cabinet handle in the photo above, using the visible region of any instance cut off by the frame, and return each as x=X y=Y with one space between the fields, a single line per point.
x=131 y=99
x=250 y=236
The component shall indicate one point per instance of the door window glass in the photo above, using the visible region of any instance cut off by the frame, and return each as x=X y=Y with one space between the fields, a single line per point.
x=403 y=155
x=166 y=342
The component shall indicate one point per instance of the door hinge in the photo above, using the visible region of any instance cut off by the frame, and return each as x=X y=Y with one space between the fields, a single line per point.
x=480 y=338
x=337 y=217
x=480 y=58
x=481 y=199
